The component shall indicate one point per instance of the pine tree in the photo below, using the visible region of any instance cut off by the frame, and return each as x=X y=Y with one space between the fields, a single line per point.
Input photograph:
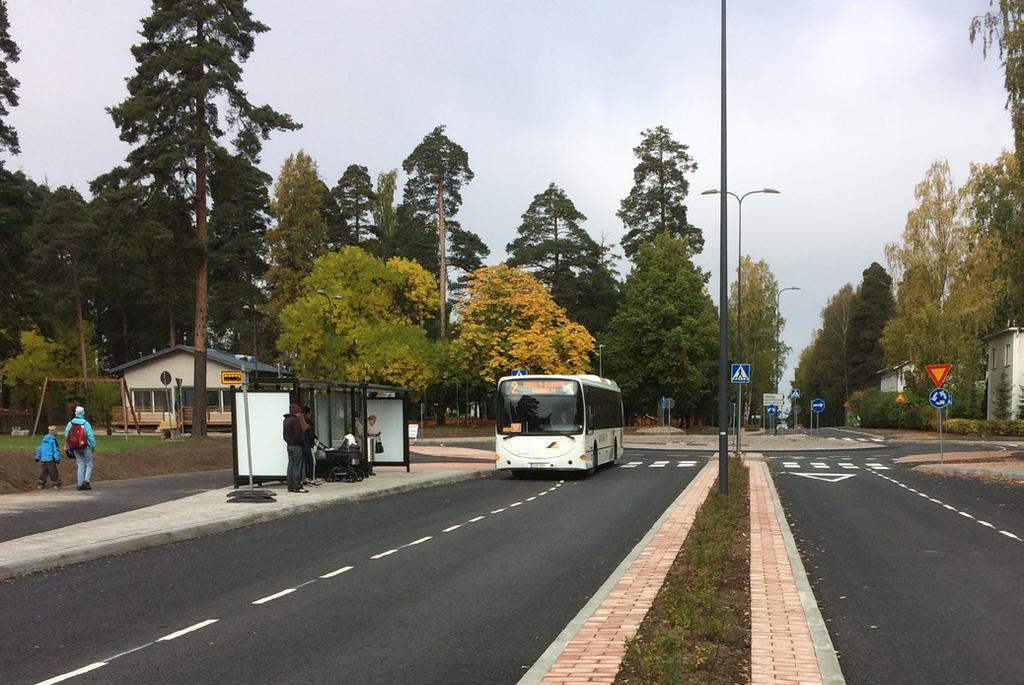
x=437 y=170
x=189 y=71
x=354 y=196
x=9 y=53
x=657 y=201
x=62 y=237
x=1002 y=399
x=552 y=245
x=141 y=298
x=299 y=234
x=238 y=229
x=872 y=309
x=20 y=202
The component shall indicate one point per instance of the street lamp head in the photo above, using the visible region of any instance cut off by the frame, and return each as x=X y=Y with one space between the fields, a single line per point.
x=713 y=191
x=321 y=291
x=770 y=191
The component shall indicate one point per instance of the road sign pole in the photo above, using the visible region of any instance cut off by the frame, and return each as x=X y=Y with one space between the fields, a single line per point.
x=739 y=417
x=942 y=457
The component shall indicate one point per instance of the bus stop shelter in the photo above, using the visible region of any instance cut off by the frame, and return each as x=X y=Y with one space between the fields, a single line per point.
x=338 y=408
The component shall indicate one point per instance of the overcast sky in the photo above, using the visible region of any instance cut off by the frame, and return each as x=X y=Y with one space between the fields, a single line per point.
x=841 y=106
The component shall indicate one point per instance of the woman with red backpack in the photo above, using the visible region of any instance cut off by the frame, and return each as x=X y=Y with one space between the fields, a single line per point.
x=80 y=441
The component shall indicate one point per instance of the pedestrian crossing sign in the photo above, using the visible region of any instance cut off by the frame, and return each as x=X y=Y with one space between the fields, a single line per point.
x=741 y=373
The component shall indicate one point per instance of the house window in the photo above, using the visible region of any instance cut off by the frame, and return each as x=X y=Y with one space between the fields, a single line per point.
x=1006 y=358
x=213 y=400
x=143 y=400
x=992 y=358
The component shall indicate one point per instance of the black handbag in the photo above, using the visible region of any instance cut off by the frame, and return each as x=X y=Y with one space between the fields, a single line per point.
x=69 y=454
x=378 y=447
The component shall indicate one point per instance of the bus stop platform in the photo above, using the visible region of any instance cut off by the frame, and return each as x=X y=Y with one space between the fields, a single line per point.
x=201 y=514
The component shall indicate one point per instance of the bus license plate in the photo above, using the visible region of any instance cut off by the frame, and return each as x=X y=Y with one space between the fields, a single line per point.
x=540 y=465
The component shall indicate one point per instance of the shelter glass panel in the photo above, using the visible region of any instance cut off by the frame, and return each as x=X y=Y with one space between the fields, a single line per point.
x=341 y=415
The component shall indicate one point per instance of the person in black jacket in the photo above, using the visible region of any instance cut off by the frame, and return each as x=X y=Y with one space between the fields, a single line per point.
x=294 y=439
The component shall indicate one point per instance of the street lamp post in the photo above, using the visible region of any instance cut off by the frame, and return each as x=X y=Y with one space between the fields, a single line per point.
x=600 y=360
x=778 y=343
x=251 y=308
x=739 y=294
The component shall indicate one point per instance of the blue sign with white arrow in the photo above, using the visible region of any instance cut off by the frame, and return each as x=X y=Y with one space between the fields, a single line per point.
x=740 y=373
x=817 y=406
x=940 y=398
x=772 y=410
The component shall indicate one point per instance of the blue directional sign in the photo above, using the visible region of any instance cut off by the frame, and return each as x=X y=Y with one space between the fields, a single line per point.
x=940 y=398
x=663 y=402
x=772 y=410
x=518 y=372
x=795 y=393
x=817 y=406
x=740 y=373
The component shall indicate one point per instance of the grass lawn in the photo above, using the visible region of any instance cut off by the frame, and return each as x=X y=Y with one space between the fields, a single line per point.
x=104 y=443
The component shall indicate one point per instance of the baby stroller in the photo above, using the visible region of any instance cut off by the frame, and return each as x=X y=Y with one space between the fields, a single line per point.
x=346 y=462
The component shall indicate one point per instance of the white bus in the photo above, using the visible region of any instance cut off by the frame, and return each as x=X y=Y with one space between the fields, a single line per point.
x=557 y=422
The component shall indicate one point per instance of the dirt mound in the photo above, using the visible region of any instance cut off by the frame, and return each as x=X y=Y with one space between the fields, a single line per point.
x=18 y=470
x=660 y=430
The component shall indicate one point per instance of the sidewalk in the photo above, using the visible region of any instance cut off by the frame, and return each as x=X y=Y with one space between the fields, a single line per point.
x=790 y=644
x=210 y=512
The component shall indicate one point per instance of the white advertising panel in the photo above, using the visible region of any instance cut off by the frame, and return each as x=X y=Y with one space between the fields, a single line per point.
x=392 y=430
x=266 y=418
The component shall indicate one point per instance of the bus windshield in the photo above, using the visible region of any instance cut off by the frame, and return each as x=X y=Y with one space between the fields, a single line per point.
x=540 y=407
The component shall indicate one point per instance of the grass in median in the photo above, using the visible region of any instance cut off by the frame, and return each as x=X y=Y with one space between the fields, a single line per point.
x=698 y=629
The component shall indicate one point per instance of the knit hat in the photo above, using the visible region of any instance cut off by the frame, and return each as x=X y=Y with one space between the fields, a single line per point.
x=79 y=412
x=294 y=409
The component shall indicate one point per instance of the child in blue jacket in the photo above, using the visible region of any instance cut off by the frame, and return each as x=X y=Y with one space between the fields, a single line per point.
x=48 y=456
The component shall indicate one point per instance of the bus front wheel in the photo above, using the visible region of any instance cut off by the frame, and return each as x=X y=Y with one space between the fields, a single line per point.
x=593 y=462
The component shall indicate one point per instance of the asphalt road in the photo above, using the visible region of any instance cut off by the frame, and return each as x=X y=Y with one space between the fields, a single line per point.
x=113 y=497
x=918 y=576
x=459 y=584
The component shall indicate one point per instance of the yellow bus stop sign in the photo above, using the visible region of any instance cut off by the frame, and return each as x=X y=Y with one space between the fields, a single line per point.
x=231 y=377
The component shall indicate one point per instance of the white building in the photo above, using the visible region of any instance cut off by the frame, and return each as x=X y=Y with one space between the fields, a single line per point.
x=1005 y=360
x=895 y=379
x=151 y=398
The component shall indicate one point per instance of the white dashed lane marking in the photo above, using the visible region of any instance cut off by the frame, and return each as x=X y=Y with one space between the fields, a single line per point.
x=346 y=569
x=186 y=631
x=950 y=507
x=659 y=465
x=72 y=674
x=277 y=595
x=631 y=465
x=791 y=464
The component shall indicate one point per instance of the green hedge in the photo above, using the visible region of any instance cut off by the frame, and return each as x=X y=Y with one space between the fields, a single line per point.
x=981 y=427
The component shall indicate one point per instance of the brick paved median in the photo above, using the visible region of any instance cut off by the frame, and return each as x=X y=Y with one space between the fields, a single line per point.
x=595 y=654
x=781 y=648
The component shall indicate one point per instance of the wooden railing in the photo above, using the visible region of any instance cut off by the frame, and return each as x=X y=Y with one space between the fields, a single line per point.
x=152 y=419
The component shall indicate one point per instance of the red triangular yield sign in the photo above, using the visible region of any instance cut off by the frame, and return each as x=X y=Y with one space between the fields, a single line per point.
x=938 y=372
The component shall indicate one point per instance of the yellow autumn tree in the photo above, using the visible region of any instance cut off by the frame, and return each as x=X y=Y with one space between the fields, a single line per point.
x=946 y=282
x=507 y=320
x=359 y=319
